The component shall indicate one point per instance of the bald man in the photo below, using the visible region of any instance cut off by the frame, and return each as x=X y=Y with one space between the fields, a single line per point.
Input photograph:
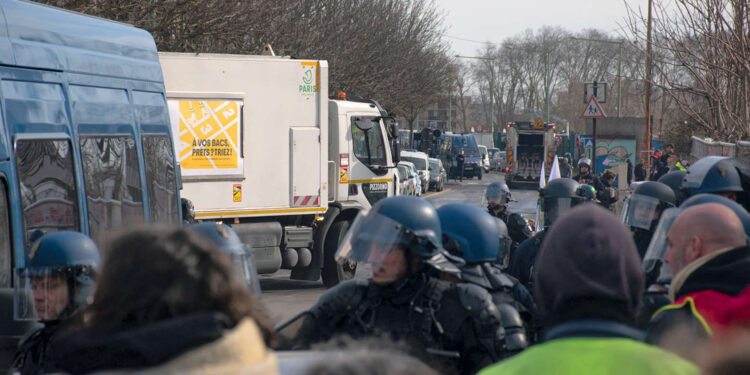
x=709 y=258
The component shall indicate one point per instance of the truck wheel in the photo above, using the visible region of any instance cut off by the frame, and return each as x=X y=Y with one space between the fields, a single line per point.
x=479 y=175
x=334 y=272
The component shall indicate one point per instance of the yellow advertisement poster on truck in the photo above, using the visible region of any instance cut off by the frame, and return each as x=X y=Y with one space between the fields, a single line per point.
x=208 y=136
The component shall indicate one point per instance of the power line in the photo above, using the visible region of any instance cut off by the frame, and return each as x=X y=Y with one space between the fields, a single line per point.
x=470 y=40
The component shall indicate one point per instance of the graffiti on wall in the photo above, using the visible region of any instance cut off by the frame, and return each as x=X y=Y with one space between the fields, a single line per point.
x=613 y=154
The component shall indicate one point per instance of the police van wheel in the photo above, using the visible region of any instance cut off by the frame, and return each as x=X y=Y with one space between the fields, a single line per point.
x=334 y=272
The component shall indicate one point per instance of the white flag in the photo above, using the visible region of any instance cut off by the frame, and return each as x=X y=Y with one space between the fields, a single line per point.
x=555 y=171
x=537 y=224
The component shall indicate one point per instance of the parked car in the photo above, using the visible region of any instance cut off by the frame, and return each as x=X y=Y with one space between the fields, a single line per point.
x=414 y=175
x=419 y=159
x=485 y=158
x=437 y=174
x=498 y=161
x=492 y=150
x=407 y=185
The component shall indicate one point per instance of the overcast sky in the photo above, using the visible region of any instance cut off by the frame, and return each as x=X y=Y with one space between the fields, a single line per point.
x=495 y=20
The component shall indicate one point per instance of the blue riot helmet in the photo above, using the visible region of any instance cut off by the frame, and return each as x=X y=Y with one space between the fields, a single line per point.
x=477 y=238
x=712 y=174
x=656 y=270
x=226 y=239
x=472 y=232
x=644 y=207
x=58 y=277
x=674 y=180
x=401 y=222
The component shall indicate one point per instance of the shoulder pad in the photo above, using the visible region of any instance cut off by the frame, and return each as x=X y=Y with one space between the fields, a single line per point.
x=499 y=279
x=477 y=301
x=345 y=296
x=515 y=334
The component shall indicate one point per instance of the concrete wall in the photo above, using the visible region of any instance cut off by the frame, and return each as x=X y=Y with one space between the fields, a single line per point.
x=620 y=128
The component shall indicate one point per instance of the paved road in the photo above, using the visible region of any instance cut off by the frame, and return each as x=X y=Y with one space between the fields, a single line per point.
x=286 y=298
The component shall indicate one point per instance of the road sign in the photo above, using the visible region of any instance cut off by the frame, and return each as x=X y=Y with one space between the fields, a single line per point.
x=588 y=143
x=601 y=91
x=539 y=124
x=593 y=110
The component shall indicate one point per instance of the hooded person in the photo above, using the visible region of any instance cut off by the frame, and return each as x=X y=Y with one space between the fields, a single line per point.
x=588 y=288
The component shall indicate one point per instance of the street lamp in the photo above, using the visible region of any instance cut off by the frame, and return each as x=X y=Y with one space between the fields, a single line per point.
x=492 y=84
x=619 y=66
x=547 y=76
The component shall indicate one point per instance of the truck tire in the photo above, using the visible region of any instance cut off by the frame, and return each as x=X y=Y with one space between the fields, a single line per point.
x=334 y=272
x=479 y=175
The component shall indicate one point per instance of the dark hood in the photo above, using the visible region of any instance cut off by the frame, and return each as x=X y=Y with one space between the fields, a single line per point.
x=726 y=272
x=149 y=345
x=588 y=268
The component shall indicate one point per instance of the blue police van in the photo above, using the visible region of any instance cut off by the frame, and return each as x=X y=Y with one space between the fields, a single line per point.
x=85 y=142
x=450 y=145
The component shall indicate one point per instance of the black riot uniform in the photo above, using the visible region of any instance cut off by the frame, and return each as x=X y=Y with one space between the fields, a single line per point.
x=557 y=197
x=496 y=199
x=472 y=236
x=454 y=325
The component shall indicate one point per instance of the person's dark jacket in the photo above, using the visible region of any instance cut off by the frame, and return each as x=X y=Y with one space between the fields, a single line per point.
x=566 y=170
x=703 y=294
x=587 y=179
x=640 y=172
x=176 y=345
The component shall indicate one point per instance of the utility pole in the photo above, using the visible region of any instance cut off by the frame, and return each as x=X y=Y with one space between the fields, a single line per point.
x=648 y=84
x=450 y=108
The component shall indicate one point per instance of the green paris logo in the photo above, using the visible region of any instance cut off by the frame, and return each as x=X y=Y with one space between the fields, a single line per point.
x=308 y=82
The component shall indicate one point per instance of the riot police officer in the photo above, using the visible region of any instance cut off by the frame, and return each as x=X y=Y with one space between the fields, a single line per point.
x=456 y=325
x=472 y=235
x=557 y=197
x=226 y=239
x=584 y=176
x=497 y=197
x=717 y=175
x=59 y=273
x=643 y=209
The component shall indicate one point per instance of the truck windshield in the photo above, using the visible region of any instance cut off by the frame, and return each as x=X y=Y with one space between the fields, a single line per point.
x=418 y=162
x=368 y=145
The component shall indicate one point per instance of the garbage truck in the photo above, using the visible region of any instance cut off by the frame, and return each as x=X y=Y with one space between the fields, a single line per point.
x=528 y=146
x=263 y=148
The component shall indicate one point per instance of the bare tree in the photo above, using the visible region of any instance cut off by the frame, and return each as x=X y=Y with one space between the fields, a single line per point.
x=704 y=49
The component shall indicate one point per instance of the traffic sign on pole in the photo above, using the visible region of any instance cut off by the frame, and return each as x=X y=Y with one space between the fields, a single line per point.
x=593 y=110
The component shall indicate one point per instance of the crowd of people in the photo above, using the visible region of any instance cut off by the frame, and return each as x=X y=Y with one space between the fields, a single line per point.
x=454 y=290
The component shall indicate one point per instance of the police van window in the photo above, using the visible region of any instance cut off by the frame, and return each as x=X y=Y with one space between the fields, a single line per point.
x=5 y=238
x=160 y=178
x=46 y=181
x=368 y=144
x=113 y=183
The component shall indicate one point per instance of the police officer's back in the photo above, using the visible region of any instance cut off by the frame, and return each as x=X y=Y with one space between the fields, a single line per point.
x=59 y=273
x=556 y=198
x=472 y=235
x=456 y=325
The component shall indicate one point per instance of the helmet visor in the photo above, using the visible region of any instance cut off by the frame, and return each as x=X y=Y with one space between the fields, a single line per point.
x=554 y=207
x=503 y=252
x=639 y=211
x=244 y=265
x=40 y=294
x=653 y=261
x=371 y=237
